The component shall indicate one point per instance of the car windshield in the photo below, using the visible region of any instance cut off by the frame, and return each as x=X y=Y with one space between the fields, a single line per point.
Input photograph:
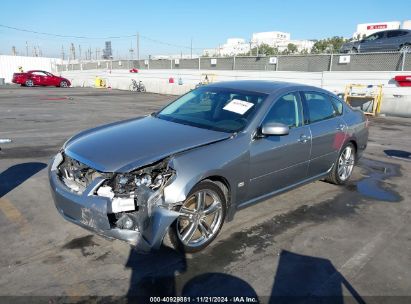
x=218 y=109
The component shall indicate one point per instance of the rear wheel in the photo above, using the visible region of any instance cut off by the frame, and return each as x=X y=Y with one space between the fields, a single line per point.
x=406 y=48
x=29 y=83
x=344 y=165
x=63 y=84
x=203 y=214
x=353 y=51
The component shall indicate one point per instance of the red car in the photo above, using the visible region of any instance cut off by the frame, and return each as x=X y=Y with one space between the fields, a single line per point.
x=40 y=78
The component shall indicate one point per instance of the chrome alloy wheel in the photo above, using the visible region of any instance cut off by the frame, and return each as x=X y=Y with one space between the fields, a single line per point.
x=202 y=215
x=346 y=163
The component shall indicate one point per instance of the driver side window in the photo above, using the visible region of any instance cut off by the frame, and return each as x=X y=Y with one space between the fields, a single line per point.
x=38 y=73
x=375 y=36
x=286 y=110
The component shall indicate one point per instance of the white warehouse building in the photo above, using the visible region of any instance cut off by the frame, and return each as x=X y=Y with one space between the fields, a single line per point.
x=280 y=40
x=270 y=38
x=366 y=29
x=232 y=47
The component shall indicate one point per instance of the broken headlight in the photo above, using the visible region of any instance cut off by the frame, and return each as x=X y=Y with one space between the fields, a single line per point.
x=153 y=177
x=123 y=188
x=132 y=195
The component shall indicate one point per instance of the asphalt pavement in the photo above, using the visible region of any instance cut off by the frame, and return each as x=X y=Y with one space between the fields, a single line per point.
x=351 y=242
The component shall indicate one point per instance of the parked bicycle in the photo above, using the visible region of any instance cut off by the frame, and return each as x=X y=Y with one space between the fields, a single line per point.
x=137 y=86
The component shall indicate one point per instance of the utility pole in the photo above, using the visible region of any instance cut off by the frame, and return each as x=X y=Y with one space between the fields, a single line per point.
x=131 y=55
x=62 y=52
x=79 y=52
x=138 y=46
x=13 y=50
x=191 y=48
x=73 y=51
x=27 y=49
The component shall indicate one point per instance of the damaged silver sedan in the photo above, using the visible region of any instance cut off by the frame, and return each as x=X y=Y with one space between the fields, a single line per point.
x=187 y=168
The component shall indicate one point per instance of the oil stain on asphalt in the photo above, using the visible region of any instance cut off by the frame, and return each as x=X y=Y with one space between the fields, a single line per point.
x=84 y=243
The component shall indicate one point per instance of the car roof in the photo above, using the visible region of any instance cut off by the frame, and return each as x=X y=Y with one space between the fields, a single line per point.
x=261 y=86
x=31 y=71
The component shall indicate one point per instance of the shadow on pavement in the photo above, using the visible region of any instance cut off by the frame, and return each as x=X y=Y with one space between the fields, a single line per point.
x=16 y=175
x=299 y=279
x=307 y=279
x=398 y=154
x=153 y=274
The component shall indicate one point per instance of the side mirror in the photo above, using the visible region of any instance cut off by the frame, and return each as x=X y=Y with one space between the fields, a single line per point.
x=275 y=128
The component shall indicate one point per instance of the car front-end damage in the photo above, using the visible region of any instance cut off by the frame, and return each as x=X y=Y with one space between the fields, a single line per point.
x=126 y=206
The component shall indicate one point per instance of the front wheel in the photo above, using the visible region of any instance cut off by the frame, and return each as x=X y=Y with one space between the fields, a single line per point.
x=353 y=51
x=344 y=165
x=29 y=83
x=142 y=88
x=63 y=84
x=203 y=214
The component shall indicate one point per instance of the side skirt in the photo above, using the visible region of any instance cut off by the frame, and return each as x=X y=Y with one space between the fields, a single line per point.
x=282 y=190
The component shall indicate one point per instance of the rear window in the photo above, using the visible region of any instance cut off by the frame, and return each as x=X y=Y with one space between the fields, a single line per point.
x=319 y=106
x=338 y=103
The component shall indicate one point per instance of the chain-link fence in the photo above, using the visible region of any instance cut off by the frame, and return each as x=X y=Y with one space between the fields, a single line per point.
x=393 y=61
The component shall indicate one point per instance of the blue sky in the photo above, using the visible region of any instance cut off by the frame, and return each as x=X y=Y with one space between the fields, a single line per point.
x=207 y=22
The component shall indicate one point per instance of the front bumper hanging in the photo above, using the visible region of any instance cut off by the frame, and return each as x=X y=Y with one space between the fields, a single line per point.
x=90 y=211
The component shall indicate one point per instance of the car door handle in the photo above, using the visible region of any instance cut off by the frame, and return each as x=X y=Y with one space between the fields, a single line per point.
x=341 y=127
x=304 y=138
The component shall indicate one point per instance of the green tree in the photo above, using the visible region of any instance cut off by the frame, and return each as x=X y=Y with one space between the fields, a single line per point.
x=265 y=49
x=292 y=48
x=262 y=50
x=328 y=45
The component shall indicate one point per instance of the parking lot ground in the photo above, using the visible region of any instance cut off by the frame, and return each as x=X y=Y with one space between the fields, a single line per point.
x=321 y=239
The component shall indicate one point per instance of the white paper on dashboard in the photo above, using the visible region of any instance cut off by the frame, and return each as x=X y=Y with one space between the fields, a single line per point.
x=238 y=106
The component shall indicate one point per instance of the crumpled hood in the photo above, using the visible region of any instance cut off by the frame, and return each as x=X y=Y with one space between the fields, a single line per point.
x=128 y=145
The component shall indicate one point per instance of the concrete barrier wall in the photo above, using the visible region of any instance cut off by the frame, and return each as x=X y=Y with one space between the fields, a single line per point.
x=10 y=64
x=396 y=100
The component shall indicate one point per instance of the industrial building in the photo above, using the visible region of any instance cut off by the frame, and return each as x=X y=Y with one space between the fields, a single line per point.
x=279 y=40
x=366 y=29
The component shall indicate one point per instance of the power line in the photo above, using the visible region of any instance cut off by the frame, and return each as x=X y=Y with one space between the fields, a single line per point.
x=63 y=36
x=169 y=44
x=101 y=38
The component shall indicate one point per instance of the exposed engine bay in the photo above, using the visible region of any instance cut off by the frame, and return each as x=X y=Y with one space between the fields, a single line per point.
x=132 y=195
x=78 y=176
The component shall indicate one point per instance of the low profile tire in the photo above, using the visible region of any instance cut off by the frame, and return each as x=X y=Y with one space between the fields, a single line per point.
x=29 y=83
x=344 y=165
x=204 y=213
x=63 y=84
x=142 y=89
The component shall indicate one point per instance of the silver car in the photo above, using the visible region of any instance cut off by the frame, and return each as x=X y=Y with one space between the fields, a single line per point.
x=189 y=167
x=384 y=41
